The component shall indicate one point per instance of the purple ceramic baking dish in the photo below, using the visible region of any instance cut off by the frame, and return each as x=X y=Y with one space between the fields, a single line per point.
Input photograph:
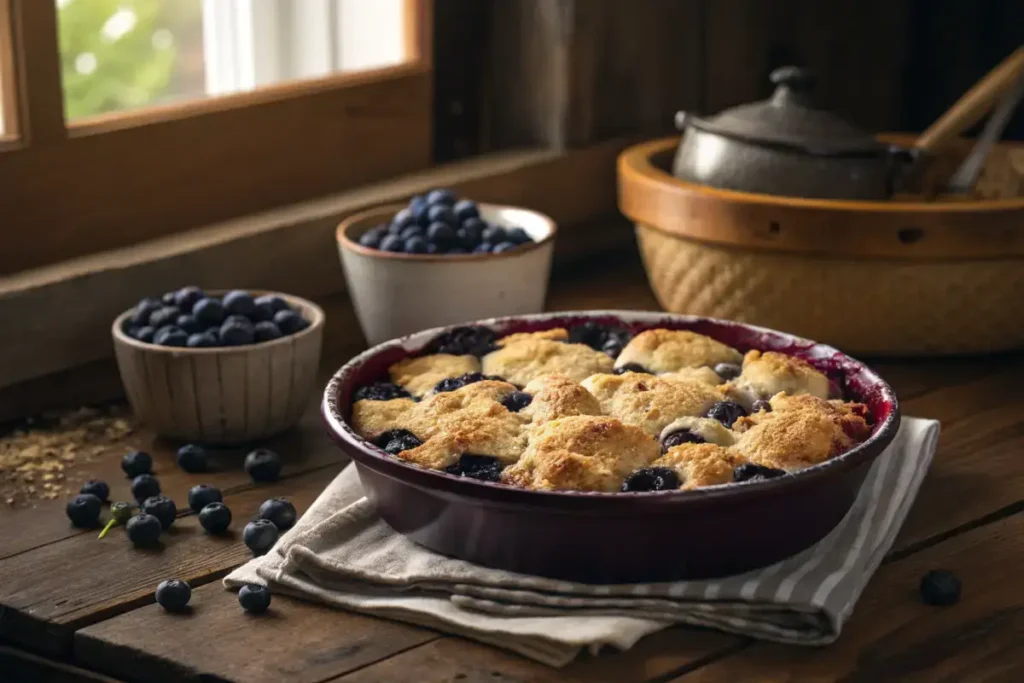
x=617 y=537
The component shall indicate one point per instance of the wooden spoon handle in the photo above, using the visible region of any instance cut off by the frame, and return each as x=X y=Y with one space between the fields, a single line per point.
x=974 y=104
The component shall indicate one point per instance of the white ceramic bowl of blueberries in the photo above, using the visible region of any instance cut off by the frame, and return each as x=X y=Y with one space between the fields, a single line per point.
x=441 y=260
x=219 y=367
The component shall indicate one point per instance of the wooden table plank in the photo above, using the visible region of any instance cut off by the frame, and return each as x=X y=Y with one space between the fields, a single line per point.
x=22 y=667
x=893 y=636
x=294 y=641
x=45 y=601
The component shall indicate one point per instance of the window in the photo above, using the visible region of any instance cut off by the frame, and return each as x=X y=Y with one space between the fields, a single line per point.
x=132 y=119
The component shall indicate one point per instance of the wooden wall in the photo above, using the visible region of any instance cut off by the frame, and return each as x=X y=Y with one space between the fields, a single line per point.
x=567 y=73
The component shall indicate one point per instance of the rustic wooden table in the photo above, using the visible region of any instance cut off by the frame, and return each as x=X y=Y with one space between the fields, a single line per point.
x=71 y=604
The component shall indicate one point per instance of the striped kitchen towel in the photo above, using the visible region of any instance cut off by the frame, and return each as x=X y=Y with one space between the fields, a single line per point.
x=342 y=554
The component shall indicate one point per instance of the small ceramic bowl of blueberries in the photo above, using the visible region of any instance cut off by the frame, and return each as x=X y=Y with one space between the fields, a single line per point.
x=441 y=259
x=219 y=367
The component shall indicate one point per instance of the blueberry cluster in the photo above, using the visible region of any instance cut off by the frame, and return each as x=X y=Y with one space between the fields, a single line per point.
x=440 y=223
x=189 y=317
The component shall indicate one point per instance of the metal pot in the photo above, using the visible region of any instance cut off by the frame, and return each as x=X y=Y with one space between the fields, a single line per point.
x=785 y=145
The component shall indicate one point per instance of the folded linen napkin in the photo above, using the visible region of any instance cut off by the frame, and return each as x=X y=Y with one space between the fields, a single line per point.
x=342 y=554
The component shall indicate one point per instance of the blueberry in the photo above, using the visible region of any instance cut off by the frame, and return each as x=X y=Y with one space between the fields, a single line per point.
x=239 y=302
x=439 y=213
x=215 y=518
x=613 y=346
x=164 y=316
x=173 y=595
x=483 y=248
x=404 y=219
x=495 y=234
x=192 y=458
x=502 y=247
x=167 y=299
x=414 y=231
x=145 y=334
x=97 y=488
x=271 y=303
x=236 y=319
x=263 y=465
x=208 y=311
x=254 y=598
x=753 y=472
x=651 y=479
x=480 y=467
x=393 y=229
x=143 y=530
x=441 y=196
x=680 y=437
x=456 y=251
x=235 y=334
x=728 y=371
x=761 y=404
x=372 y=237
x=280 y=511
x=453 y=383
x=290 y=322
x=727 y=412
x=416 y=245
x=188 y=324
x=143 y=310
x=204 y=340
x=432 y=248
x=121 y=512
x=466 y=209
x=518 y=236
x=161 y=507
x=259 y=536
x=461 y=341
x=599 y=337
x=516 y=401
x=442 y=235
x=631 y=367
x=473 y=229
x=186 y=297
x=145 y=486
x=169 y=335
x=395 y=441
x=84 y=510
x=940 y=587
x=266 y=331
x=379 y=391
x=135 y=463
x=418 y=206
x=201 y=495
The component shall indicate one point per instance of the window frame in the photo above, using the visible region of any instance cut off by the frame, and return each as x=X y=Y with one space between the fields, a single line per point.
x=89 y=185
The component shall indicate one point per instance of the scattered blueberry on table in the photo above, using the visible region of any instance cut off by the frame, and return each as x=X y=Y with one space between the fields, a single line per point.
x=940 y=587
x=84 y=510
x=145 y=486
x=161 y=507
x=144 y=530
x=215 y=518
x=254 y=598
x=97 y=488
x=259 y=536
x=201 y=495
x=440 y=223
x=173 y=595
x=280 y=511
x=135 y=463
x=263 y=465
x=192 y=458
x=191 y=318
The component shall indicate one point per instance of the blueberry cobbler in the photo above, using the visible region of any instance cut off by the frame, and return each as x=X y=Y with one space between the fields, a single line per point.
x=594 y=409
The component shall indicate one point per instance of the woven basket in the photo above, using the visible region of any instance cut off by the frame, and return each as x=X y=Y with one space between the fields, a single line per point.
x=910 y=280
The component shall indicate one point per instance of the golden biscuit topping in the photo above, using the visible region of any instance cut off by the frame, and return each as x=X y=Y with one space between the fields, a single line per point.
x=766 y=374
x=556 y=396
x=554 y=334
x=701 y=464
x=672 y=350
x=711 y=431
x=650 y=402
x=523 y=361
x=419 y=375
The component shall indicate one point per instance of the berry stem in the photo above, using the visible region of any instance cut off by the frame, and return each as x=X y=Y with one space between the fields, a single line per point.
x=111 y=524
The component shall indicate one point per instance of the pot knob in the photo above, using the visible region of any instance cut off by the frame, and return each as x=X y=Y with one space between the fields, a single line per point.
x=793 y=77
x=681 y=118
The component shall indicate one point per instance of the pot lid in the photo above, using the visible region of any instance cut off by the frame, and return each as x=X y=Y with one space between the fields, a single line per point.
x=790 y=118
